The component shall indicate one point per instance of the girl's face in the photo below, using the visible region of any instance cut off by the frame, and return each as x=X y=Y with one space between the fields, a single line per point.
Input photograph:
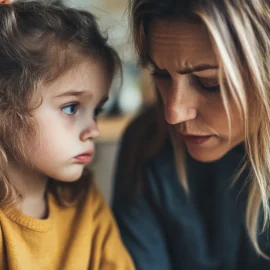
x=185 y=72
x=67 y=121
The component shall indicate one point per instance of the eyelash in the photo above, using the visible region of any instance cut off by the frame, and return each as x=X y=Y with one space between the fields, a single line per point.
x=209 y=89
x=212 y=89
x=97 y=111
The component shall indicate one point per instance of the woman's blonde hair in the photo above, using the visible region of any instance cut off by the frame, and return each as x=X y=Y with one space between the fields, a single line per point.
x=240 y=34
x=38 y=44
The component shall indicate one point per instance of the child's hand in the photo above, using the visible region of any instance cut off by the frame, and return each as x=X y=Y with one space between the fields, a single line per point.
x=4 y=1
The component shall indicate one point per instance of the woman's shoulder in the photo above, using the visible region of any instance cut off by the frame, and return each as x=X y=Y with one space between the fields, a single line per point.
x=154 y=176
x=143 y=139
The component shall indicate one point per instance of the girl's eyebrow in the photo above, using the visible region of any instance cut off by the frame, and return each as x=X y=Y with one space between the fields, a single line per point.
x=71 y=93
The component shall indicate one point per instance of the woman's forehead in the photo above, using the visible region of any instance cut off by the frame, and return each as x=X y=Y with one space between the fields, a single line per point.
x=179 y=40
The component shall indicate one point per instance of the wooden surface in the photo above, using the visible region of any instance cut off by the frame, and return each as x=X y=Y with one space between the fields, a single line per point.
x=112 y=128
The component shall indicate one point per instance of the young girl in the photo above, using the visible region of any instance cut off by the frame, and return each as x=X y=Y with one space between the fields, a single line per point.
x=55 y=73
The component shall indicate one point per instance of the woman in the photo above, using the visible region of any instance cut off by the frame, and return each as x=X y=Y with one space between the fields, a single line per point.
x=192 y=191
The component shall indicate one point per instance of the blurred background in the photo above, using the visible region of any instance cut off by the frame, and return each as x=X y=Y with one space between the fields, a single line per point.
x=126 y=100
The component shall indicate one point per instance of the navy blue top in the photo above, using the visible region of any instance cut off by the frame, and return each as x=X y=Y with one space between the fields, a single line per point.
x=164 y=228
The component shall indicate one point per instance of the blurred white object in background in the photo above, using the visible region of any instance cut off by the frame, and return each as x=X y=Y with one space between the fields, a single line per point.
x=130 y=96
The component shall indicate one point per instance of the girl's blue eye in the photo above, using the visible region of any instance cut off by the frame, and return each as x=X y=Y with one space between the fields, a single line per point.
x=70 y=109
x=97 y=111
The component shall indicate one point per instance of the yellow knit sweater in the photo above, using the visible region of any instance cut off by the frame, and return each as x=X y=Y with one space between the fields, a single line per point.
x=75 y=238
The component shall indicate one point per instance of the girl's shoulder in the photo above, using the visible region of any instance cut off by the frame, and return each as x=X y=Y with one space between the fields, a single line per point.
x=90 y=206
x=94 y=194
x=94 y=202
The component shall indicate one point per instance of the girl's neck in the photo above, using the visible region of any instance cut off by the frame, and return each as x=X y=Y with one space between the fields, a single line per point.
x=32 y=186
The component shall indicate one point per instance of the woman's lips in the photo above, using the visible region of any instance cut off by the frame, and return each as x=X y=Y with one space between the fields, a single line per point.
x=196 y=139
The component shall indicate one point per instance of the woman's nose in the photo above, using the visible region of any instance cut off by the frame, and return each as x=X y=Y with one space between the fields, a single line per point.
x=181 y=103
x=178 y=114
x=90 y=132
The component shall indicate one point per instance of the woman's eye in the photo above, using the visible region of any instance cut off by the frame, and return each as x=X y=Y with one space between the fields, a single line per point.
x=211 y=86
x=211 y=89
x=97 y=111
x=70 y=109
x=160 y=74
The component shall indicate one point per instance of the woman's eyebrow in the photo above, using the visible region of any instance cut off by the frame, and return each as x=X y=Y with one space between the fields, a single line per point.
x=197 y=68
x=155 y=65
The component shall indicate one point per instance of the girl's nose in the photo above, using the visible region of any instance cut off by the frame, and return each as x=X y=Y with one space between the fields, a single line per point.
x=91 y=132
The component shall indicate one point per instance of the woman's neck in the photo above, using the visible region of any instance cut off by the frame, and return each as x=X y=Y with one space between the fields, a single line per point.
x=32 y=186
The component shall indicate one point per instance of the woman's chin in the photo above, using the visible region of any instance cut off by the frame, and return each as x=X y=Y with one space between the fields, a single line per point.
x=207 y=155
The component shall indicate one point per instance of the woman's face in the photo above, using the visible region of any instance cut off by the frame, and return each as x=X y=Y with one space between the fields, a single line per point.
x=185 y=72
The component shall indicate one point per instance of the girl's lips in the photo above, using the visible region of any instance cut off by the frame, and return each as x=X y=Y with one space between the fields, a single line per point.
x=196 y=139
x=84 y=158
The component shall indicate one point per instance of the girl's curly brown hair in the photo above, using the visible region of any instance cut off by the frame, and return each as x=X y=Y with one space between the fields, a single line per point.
x=39 y=43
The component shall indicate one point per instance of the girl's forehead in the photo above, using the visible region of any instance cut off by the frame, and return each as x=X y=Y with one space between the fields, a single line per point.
x=84 y=79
